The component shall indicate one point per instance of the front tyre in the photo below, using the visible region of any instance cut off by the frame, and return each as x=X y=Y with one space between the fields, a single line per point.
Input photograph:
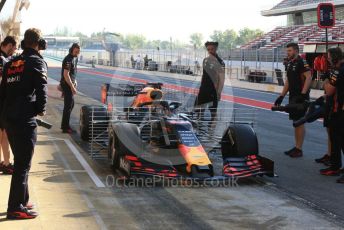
x=239 y=140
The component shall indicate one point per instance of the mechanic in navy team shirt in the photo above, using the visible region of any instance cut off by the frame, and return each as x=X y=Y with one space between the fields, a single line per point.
x=23 y=96
x=298 y=82
x=68 y=84
x=334 y=87
x=7 y=48
x=212 y=82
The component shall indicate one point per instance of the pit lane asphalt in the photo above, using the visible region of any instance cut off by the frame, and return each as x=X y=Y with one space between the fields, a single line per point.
x=298 y=178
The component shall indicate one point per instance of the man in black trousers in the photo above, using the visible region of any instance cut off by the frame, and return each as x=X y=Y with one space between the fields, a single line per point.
x=23 y=96
x=334 y=87
x=212 y=82
x=297 y=84
x=68 y=85
x=7 y=48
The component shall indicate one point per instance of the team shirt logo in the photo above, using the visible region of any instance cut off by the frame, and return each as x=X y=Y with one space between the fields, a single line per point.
x=333 y=77
x=15 y=71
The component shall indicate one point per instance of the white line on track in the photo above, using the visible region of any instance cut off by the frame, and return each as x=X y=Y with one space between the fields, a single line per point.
x=84 y=164
x=74 y=171
x=254 y=90
x=97 y=217
x=82 y=161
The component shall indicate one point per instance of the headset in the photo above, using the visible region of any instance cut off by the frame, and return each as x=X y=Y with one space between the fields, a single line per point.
x=42 y=44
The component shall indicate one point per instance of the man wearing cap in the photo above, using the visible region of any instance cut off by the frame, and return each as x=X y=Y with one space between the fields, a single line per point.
x=212 y=82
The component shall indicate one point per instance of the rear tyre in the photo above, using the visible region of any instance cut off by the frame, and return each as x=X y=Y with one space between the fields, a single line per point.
x=99 y=114
x=114 y=153
x=126 y=141
x=117 y=160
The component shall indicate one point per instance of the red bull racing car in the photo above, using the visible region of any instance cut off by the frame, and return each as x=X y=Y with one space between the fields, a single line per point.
x=150 y=135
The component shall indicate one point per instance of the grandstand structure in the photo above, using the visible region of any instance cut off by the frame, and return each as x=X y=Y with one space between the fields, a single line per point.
x=299 y=11
x=280 y=36
x=301 y=27
x=59 y=42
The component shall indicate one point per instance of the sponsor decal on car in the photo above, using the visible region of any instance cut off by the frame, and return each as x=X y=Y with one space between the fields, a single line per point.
x=124 y=165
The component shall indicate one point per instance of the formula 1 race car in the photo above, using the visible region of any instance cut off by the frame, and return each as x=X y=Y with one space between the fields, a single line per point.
x=154 y=136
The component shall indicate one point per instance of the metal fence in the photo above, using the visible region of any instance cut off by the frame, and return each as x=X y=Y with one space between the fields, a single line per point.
x=258 y=59
x=98 y=133
x=242 y=64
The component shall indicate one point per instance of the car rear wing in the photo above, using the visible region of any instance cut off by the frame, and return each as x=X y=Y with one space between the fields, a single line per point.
x=125 y=90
